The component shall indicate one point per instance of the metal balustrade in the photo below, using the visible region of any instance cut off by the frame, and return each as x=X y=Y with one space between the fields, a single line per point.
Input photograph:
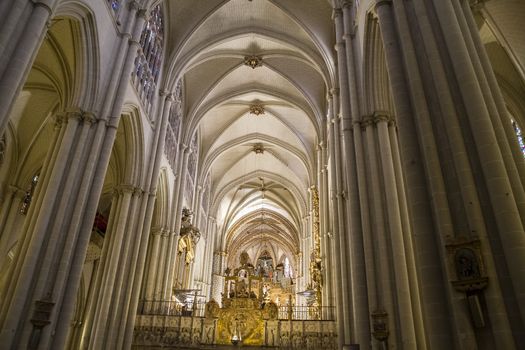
x=172 y=308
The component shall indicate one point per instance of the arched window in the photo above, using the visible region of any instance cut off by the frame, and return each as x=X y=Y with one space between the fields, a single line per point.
x=519 y=135
x=148 y=61
x=172 y=133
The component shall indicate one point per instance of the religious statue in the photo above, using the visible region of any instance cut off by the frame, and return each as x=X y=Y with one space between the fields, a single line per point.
x=189 y=236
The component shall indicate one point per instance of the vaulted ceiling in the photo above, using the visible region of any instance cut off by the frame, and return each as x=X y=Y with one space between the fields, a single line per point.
x=260 y=166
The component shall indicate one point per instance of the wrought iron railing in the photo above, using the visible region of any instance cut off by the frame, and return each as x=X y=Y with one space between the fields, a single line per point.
x=170 y=308
x=324 y=313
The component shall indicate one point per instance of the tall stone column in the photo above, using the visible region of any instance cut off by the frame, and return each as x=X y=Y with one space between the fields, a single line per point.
x=499 y=186
x=21 y=35
x=172 y=254
x=438 y=324
x=381 y=243
x=492 y=92
x=356 y=183
x=404 y=300
x=338 y=227
x=138 y=258
x=8 y=216
x=39 y=269
x=152 y=273
x=109 y=271
x=495 y=105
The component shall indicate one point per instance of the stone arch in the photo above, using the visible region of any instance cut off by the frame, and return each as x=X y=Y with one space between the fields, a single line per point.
x=61 y=80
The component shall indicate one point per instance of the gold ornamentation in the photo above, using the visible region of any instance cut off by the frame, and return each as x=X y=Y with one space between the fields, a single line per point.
x=257 y=109
x=253 y=61
x=242 y=316
x=315 y=258
x=212 y=309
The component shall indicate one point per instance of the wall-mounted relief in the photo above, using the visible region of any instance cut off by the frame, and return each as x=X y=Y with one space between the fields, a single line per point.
x=468 y=274
x=466 y=264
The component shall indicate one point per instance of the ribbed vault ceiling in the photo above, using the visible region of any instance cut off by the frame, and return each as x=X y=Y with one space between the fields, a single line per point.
x=260 y=199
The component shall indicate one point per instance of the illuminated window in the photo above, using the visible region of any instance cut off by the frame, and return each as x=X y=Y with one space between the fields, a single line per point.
x=519 y=135
x=287 y=268
x=115 y=5
x=26 y=201
x=148 y=61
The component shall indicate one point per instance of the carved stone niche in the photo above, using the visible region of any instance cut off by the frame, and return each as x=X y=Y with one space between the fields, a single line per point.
x=466 y=264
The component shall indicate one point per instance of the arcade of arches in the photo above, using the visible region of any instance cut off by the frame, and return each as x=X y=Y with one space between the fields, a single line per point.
x=339 y=174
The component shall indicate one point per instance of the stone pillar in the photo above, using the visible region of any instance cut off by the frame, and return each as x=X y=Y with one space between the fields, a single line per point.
x=8 y=217
x=172 y=265
x=152 y=273
x=143 y=228
x=21 y=35
x=110 y=270
x=338 y=226
x=382 y=253
x=403 y=300
x=438 y=324
x=45 y=234
x=356 y=184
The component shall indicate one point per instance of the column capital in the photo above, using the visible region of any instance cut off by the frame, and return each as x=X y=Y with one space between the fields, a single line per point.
x=336 y=12
x=380 y=116
x=348 y=37
x=334 y=91
x=125 y=188
x=366 y=121
x=170 y=97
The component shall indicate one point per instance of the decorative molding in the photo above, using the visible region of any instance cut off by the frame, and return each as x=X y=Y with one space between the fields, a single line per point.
x=257 y=109
x=316 y=283
x=253 y=61
x=258 y=148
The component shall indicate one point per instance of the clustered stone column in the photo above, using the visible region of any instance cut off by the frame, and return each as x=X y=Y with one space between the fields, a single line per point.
x=21 y=35
x=420 y=174
x=38 y=304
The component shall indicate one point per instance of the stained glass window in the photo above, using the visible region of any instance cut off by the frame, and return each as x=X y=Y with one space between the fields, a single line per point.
x=149 y=59
x=519 y=135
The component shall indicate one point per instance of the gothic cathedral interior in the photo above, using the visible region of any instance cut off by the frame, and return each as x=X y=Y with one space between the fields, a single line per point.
x=280 y=174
